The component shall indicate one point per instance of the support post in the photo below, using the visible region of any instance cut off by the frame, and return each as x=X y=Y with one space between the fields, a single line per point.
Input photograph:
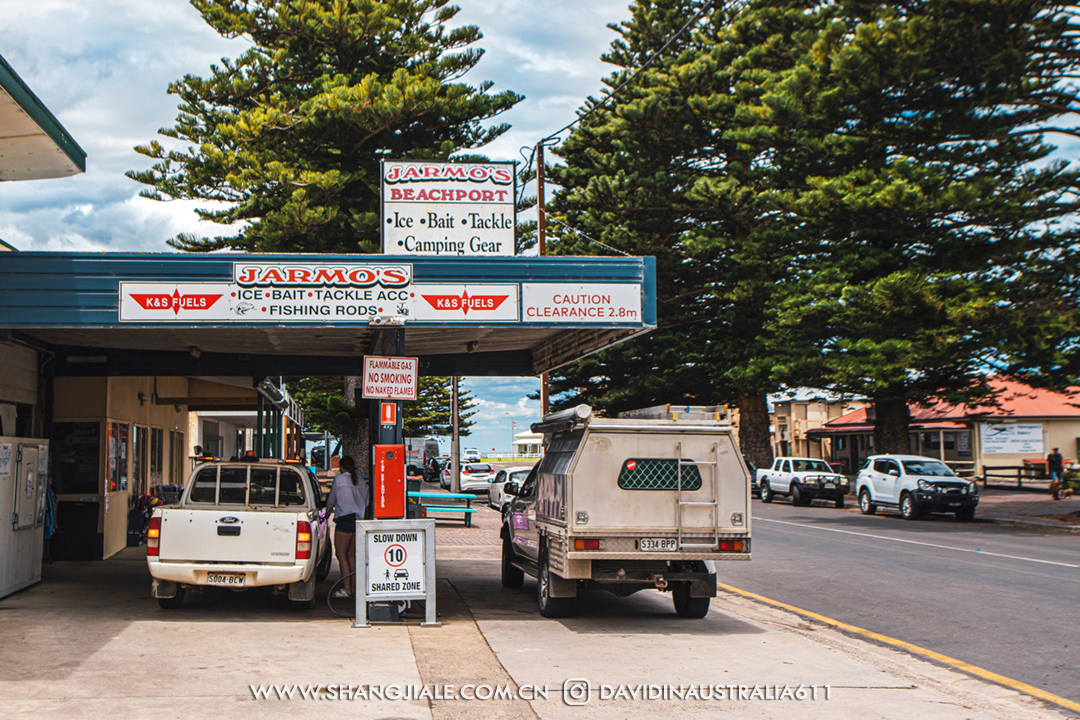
x=257 y=441
x=455 y=440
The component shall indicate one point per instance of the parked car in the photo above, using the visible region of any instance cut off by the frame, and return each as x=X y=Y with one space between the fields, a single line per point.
x=471 y=455
x=755 y=491
x=496 y=497
x=803 y=480
x=914 y=485
x=241 y=525
x=433 y=474
x=475 y=477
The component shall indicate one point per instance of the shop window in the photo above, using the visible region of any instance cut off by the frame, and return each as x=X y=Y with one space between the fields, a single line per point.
x=841 y=443
x=157 y=455
x=76 y=453
x=116 y=468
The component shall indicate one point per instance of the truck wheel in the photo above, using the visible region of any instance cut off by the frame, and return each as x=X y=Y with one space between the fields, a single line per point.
x=840 y=502
x=866 y=507
x=686 y=606
x=322 y=570
x=766 y=492
x=908 y=508
x=550 y=607
x=512 y=577
x=173 y=602
x=797 y=498
x=965 y=515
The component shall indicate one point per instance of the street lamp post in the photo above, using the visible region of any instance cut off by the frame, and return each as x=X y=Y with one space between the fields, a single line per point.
x=512 y=425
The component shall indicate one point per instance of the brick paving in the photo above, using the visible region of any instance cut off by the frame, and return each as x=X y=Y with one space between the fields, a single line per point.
x=1019 y=505
x=450 y=529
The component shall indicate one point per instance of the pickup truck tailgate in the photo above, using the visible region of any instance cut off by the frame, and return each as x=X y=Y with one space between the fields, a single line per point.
x=235 y=536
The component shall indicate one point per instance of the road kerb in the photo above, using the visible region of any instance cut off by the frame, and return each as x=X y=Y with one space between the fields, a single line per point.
x=914 y=649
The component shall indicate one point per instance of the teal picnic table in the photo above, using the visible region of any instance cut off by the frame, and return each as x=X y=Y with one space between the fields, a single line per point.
x=468 y=510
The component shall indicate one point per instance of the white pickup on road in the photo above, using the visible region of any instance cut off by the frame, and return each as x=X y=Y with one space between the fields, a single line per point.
x=241 y=525
x=804 y=480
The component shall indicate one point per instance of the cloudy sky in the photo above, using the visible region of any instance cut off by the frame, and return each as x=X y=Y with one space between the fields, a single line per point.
x=102 y=67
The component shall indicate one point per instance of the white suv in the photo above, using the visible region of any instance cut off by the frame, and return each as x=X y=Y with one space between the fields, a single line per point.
x=914 y=485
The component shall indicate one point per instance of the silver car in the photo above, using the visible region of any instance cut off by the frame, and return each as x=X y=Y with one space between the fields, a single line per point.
x=496 y=497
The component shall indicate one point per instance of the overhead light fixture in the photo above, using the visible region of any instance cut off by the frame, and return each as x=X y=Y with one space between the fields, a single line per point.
x=143 y=397
x=380 y=320
x=472 y=346
x=194 y=351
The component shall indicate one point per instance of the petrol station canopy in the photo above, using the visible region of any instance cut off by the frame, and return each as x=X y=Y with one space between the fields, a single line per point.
x=234 y=314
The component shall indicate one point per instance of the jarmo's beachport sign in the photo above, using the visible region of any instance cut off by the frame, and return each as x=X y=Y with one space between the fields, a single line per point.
x=448 y=209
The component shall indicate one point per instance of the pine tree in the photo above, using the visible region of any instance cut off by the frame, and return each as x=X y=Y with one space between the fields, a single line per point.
x=686 y=165
x=284 y=142
x=941 y=212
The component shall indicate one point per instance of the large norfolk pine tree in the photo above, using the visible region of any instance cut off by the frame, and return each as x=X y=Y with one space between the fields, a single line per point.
x=686 y=165
x=283 y=143
x=858 y=187
x=941 y=222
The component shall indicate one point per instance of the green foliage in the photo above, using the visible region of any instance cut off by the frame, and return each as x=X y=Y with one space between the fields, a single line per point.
x=853 y=195
x=284 y=142
x=325 y=408
x=429 y=415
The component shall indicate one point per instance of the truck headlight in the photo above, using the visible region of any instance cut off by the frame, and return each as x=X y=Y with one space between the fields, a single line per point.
x=927 y=487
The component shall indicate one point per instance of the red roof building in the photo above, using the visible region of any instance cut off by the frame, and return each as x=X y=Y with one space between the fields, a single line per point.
x=1017 y=424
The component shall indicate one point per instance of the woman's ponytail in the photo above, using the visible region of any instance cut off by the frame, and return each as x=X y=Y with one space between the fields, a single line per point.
x=349 y=465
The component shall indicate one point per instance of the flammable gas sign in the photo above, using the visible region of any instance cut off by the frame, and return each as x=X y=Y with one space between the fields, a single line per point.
x=395 y=563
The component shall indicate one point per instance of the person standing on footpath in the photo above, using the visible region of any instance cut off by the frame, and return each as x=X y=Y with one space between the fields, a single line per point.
x=1054 y=468
x=348 y=499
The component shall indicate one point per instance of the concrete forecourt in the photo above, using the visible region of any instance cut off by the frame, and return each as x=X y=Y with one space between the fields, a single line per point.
x=246 y=655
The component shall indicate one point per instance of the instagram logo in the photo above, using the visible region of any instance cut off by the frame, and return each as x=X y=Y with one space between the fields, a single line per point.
x=576 y=691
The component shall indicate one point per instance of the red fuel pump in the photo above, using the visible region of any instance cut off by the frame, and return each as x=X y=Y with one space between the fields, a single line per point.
x=389 y=485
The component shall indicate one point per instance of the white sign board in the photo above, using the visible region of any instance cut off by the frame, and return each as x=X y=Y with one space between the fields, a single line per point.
x=1012 y=439
x=5 y=460
x=395 y=564
x=277 y=293
x=465 y=303
x=576 y=304
x=448 y=209
x=389 y=378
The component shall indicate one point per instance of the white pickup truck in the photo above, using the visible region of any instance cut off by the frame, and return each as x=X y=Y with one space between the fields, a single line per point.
x=804 y=480
x=240 y=525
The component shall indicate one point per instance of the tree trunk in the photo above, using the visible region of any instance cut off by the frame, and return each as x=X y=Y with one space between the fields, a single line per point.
x=355 y=441
x=754 y=439
x=891 y=418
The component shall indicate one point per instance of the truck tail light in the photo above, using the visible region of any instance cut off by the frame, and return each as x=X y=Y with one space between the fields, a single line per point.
x=590 y=544
x=153 y=536
x=731 y=545
x=303 y=540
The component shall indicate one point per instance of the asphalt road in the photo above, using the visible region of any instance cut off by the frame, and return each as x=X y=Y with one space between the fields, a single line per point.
x=1004 y=599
